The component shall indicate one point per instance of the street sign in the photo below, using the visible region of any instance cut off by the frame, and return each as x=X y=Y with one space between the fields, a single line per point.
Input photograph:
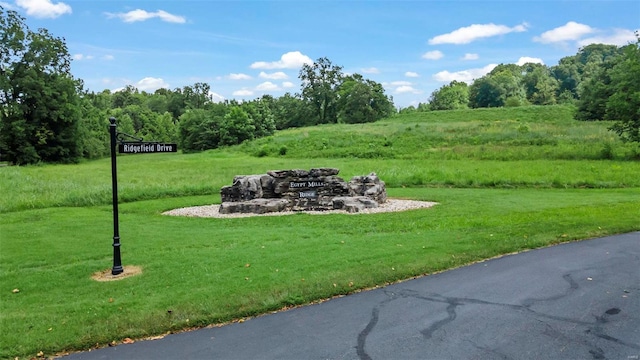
x=140 y=147
x=126 y=147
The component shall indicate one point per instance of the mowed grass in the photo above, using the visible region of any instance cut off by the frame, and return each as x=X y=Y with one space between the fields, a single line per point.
x=56 y=229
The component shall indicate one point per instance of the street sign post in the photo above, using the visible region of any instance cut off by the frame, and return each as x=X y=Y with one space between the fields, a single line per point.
x=142 y=147
x=126 y=147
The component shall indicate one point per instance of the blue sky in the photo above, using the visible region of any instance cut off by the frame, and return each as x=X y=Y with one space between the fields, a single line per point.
x=244 y=49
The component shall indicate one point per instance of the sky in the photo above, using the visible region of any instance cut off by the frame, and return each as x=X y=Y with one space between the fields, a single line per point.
x=246 y=48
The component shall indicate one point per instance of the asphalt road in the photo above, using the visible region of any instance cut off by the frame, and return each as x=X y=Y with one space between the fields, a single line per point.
x=578 y=300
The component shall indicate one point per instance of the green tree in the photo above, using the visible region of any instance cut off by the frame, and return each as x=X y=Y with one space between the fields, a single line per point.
x=568 y=77
x=159 y=127
x=291 y=111
x=157 y=102
x=175 y=102
x=594 y=93
x=362 y=100
x=486 y=92
x=199 y=130
x=39 y=98
x=453 y=96
x=510 y=84
x=93 y=129
x=624 y=103
x=540 y=86
x=573 y=73
x=125 y=97
x=320 y=82
x=261 y=116
x=196 y=96
x=236 y=127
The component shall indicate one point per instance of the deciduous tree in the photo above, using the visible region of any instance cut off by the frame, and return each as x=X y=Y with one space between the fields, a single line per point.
x=320 y=82
x=362 y=100
x=39 y=102
x=454 y=95
x=624 y=104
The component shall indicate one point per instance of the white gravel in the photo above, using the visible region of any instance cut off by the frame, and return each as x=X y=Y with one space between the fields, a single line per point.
x=211 y=211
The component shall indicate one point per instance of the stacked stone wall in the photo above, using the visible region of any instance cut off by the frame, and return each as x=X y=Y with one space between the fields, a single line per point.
x=300 y=190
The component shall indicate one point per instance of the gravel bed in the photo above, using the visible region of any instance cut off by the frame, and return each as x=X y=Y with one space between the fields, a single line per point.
x=211 y=211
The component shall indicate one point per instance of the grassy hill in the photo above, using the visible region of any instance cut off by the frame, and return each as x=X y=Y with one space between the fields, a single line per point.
x=537 y=146
x=508 y=134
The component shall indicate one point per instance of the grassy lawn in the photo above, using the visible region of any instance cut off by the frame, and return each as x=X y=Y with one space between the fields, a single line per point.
x=56 y=226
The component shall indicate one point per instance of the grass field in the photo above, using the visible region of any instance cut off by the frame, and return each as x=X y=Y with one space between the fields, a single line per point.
x=498 y=194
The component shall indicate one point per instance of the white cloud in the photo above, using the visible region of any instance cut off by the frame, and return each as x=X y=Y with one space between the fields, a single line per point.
x=80 y=57
x=411 y=74
x=371 y=70
x=290 y=60
x=150 y=84
x=273 y=76
x=399 y=83
x=464 y=75
x=108 y=57
x=243 y=92
x=619 y=37
x=469 y=56
x=6 y=5
x=267 y=86
x=44 y=8
x=233 y=76
x=287 y=84
x=142 y=15
x=525 y=59
x=465 y=35
x=568 y=32
x=406 y=89
x=433 y=55
x=216 y=98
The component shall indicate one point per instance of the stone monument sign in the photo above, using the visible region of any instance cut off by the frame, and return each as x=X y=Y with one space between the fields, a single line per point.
x=301 y=190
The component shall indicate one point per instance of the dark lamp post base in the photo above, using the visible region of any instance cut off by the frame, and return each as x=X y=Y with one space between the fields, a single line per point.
x=117 y=270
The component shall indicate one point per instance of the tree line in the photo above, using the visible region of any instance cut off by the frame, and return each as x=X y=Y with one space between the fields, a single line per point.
x=571 y=81
x=46 y=115
x=602 y=81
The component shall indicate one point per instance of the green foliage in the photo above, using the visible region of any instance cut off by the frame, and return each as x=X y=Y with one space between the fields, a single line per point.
x=624 y=104
x=362 y=101
x=450 y=97
x=513 y=101
x=126 y=97
x=236 y=127
x=486 y=92
x=196 y=96
x=261 y=116
x=540 y=86
x=613 y=90
x=199 y=130
x=38 y=95
x=92 y=131
x=594 y=94
x=320 y=82
x=290 y=111
x=46 y=116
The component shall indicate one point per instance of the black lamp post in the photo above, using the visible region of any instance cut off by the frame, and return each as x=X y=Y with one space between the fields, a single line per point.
x=117 y=261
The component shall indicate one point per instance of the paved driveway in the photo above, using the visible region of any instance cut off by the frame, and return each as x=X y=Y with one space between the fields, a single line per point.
x=573 y=301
